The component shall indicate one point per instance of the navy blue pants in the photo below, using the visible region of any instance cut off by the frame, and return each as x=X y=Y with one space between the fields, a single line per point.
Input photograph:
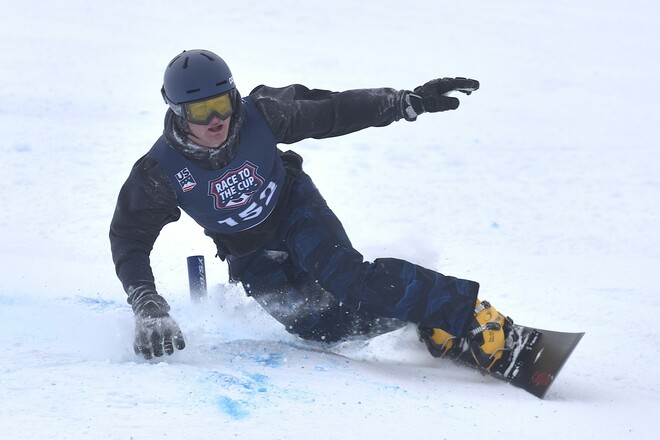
x=311 y=279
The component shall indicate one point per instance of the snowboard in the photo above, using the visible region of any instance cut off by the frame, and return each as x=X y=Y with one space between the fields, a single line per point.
x=535 y=360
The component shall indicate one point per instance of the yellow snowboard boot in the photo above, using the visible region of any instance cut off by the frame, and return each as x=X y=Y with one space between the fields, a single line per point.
x=487 y=337
x=485 y=340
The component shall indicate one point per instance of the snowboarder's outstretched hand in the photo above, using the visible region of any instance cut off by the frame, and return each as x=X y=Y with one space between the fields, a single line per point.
x=156 y=332
x=432 y=96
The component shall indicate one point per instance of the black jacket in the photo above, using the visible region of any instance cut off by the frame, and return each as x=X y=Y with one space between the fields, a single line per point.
x=147 y=201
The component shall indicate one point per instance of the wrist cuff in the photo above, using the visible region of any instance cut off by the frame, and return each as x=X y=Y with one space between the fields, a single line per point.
x=412 y=106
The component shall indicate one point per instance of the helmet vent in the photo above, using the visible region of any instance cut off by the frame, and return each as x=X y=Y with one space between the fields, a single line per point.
x=185 y=63
x=221 y=83
x=192 y=91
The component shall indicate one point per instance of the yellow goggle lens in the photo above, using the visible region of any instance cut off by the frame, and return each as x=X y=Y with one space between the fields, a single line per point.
x=201 y=112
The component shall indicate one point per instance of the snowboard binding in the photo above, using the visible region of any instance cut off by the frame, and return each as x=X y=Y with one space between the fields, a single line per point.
x=526 y=357
x=488 y=343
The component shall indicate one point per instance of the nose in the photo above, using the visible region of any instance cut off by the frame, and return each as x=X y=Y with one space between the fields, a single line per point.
x=215 y=119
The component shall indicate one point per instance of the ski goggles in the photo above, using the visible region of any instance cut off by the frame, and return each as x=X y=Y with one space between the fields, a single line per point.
x=201 y=112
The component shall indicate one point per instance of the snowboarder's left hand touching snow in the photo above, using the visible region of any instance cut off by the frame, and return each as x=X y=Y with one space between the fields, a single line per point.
x=156 y=332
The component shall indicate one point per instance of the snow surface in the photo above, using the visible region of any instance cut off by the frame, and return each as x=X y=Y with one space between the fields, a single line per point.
x=544 y=187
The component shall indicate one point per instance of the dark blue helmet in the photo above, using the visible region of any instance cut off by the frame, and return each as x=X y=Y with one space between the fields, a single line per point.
x=194 y=75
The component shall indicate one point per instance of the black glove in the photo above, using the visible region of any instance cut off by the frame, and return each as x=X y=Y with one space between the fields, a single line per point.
x=431 y=97
x=156 y=332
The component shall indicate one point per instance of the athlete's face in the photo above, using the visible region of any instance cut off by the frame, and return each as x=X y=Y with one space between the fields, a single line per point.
x=211 y=135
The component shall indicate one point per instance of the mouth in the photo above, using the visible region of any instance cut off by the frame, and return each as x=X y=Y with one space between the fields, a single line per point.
x=217 y=129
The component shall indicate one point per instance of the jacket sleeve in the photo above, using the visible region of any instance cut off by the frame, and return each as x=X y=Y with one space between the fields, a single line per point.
x=295 y=112
x=146 y=203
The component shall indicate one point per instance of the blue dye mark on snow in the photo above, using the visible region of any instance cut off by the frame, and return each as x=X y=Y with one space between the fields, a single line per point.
x=248 y=390
x=251 y=383
x=22 y=148
x=97 y=304
x=7 y=301
x=233 y=408
x=260 y=382
x=272 y=360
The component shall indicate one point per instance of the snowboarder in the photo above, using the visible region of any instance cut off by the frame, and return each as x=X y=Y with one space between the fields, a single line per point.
x=218 y=160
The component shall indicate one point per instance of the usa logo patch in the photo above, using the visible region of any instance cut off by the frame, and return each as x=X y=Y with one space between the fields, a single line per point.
x=185 y=179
